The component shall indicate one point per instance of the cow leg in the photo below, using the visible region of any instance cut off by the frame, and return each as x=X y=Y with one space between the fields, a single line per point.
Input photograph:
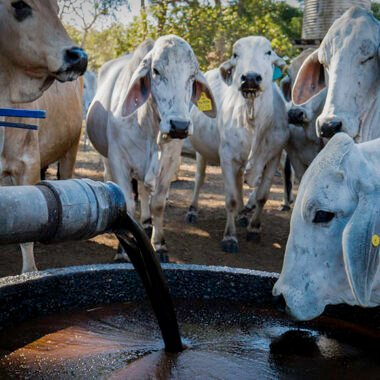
x=116 y=171
x=200 y=174
x=145 y=218
x=232 y=196
x=288 y=185
x=261 y=196
x=29 y=177
x=242 y=218
x=158 y=198
x=67 y=162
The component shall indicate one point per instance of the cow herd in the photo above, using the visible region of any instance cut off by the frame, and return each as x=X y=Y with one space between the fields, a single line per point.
x=148 y=102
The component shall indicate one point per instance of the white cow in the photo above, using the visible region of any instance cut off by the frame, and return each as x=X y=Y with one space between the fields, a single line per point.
x=349 y=54
x=333 y=251
x=304 y=144
x=140 y=113
x=248 y=135
x=34 y=51
x=89 y=90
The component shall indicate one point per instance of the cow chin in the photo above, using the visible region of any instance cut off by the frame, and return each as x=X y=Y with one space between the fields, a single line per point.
x=300 y=306
x=67 y=76
x=250 y=93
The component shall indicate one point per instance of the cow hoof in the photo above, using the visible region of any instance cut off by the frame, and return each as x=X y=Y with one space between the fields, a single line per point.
x=163 y=255
x=230 y=246
x=254 y=236
x=242 y=221
x=285 y=208
x=121 y=258
x=148 y=230
x=191 y=217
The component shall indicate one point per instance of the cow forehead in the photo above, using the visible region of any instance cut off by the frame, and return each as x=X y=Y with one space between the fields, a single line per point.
x=252 y=44
x=42 y=4
x=327 y=171
x=172 y=51
x=356 y=32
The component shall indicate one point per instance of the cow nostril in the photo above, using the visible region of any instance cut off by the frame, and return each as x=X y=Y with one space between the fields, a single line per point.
x=279 y=303
x=259 y=78
x=76 y=58
x=243 y=78
x=328 y=129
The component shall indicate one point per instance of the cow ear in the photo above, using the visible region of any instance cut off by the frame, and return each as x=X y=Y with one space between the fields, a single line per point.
x=310 y=80
x=286 y=88
x=226 y=71
x=202 y=96
x=139 y=88
x=361 y=245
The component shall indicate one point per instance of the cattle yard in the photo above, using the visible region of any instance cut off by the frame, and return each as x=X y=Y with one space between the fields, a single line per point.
x=188 y=244
x=128 y=273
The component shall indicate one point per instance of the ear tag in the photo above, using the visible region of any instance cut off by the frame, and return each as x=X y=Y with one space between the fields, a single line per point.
x=277 y=73
x=204 y=103
x=375 y=240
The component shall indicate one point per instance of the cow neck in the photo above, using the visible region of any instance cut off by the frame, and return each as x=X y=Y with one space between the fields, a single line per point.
x=260 y=108
x=370 y=120
x=150 y=119
x=150 y=122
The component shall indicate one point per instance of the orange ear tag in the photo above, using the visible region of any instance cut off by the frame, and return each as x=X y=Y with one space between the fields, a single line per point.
x=204 y=103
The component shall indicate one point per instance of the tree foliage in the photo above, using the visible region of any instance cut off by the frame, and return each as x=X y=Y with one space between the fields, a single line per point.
x=210 y=28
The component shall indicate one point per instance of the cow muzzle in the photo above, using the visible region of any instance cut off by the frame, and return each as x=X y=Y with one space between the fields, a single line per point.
x=75 y=64
x=329 y=128
x=297 y=116
x=179 y=129
x=250 y=84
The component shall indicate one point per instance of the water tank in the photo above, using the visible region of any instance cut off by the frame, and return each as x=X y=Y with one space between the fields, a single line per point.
x=320 y=14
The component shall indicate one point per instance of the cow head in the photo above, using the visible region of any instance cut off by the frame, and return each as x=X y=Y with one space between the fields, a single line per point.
x=305 y=115
x=35 y=49
x=348 y=60
x=332 y=254
x=250 y=69
x=171 y=74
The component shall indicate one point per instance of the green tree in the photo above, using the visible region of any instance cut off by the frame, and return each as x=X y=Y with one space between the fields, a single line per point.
x=87 y=12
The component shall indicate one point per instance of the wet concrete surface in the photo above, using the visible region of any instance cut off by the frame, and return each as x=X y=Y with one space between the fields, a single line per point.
x=225 y=340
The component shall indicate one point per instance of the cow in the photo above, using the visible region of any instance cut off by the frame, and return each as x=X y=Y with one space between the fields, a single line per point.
x=332 y=255
x=349 y=56
x=89 y=90
x=246 y=138
x=138 y=118
x=303 y=144
x=35 y=50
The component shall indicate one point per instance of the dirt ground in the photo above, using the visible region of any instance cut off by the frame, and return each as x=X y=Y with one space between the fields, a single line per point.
x=188 y=244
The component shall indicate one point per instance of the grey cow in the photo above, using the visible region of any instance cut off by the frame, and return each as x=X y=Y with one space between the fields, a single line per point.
x=332 y=254
x=248 y=136
x=349 y=55
x=139 y=116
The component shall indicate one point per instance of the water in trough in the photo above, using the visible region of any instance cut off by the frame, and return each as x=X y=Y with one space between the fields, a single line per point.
x=225 y=340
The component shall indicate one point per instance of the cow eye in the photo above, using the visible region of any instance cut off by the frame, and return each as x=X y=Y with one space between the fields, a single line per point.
x=366 y=60
x=269 y=52
x=22 y=10
x=235 y=55
x=156 y=72
x=322 y=216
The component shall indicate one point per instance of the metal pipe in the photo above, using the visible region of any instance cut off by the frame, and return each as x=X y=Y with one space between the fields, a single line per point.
x=54 y=211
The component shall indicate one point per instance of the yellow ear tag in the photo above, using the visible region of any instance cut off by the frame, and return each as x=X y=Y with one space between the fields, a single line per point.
x=204 y=103
x=375 y=240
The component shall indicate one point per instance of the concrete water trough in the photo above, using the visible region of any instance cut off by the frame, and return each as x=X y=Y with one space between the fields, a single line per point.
x=94 y=322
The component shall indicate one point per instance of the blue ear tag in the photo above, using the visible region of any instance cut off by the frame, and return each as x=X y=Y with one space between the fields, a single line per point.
x=277 y=73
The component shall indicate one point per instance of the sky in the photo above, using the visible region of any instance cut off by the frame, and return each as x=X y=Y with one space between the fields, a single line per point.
x=126 y=14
